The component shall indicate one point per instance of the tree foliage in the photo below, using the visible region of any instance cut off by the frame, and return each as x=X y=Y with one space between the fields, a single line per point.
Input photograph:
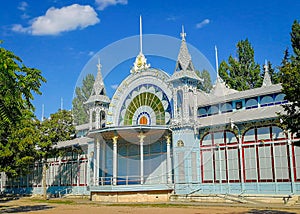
x=80 y=111
x=18 y=84
x=241 y=73
x=290 y=78
x=58 y=127
x=206 y=85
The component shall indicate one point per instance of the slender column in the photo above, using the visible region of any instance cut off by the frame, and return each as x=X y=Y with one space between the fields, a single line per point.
x=141 y=136
x=98 y=161
x=103 y=167
x=185 y=103
x=91 y=119
x=175 y=104
x=291 y=164
x=78 y=169
x=98 y=118
x=115 y=160
x=241 y=160
x=95 y=166
x=220 y=167
x=195 y=106
x=169 y=167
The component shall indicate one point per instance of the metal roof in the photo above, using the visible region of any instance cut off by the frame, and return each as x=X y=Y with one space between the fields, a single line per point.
x=240 y=116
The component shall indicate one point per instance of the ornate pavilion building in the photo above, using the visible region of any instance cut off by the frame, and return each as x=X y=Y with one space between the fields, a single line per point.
x=159 y=137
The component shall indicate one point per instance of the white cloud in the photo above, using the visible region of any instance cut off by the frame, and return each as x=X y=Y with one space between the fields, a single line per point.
x=203 y=23
x=115 y=86
x=60 y=20
x=20 y=28
x=23 y=6
x=102 y=4
x=91 y=53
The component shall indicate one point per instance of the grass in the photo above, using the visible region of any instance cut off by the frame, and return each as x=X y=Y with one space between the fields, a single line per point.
x=53 y=201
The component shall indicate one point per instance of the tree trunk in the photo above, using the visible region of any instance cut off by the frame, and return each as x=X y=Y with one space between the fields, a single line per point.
x=44 y=180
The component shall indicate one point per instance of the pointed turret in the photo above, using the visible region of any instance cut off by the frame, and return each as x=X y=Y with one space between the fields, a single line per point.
x=185 y=82
x=98 y=102
x=267 y=79
x=98 y=93
x=184 y=65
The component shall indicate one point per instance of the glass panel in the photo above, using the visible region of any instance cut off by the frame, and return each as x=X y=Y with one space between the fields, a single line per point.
x=281 y=162
x=219 y=138
x=233 y=164
x=250 y=163
x=263 y=133
x=279 y=97
x=207 y=140
x=277 y=133
x=213 y=110
x=249 y=135
x=265 y=162
x=226 y=107
x=202 y=111
x=266 y=100
x=251 y=103
x=230 y=137
x=207 y=158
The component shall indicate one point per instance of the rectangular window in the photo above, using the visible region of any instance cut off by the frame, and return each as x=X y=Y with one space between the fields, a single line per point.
x=265 y=163
x=181 y=168
x=220 y=165
x=281 y=163
x=233 y=164
x=194 y=167
x=207 y=166
x=250 y=163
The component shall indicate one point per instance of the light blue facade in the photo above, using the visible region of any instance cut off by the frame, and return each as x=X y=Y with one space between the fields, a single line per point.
x=160 y=133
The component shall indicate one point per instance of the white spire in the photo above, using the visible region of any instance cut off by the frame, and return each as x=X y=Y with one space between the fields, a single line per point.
x=217 y=63
x=183 y=34
x=99 y=65
x=43 y=112
x=140 y=63
x=61 y=103
x=141 y=36
x=267 y=79
x=266 y=67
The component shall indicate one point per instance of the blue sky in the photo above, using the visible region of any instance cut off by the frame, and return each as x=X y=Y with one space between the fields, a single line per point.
x=59 y=37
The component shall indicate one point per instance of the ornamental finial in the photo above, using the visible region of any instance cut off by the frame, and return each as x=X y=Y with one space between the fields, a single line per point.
x=183 y=34
x=266 y=67
x=99 y=65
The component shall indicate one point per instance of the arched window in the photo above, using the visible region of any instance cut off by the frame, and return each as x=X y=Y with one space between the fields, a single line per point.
x=213 y=110
x=266 y=101
x=226 y=107
x=251 y=103
x=280 y=98
x=202 y=112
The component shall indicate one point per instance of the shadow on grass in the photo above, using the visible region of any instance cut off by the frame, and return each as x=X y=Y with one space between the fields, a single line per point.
x=19 y=209
x=268 y=212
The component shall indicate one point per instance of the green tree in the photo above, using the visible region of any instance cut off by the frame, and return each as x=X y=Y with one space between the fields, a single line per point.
x=19 y=149
x=18 y=84
x=290 y=78
x=58 y=127
x=206 y=85
x=80 y=111
x=241 y=73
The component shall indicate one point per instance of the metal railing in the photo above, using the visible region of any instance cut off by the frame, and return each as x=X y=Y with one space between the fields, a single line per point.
x=132 y=180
